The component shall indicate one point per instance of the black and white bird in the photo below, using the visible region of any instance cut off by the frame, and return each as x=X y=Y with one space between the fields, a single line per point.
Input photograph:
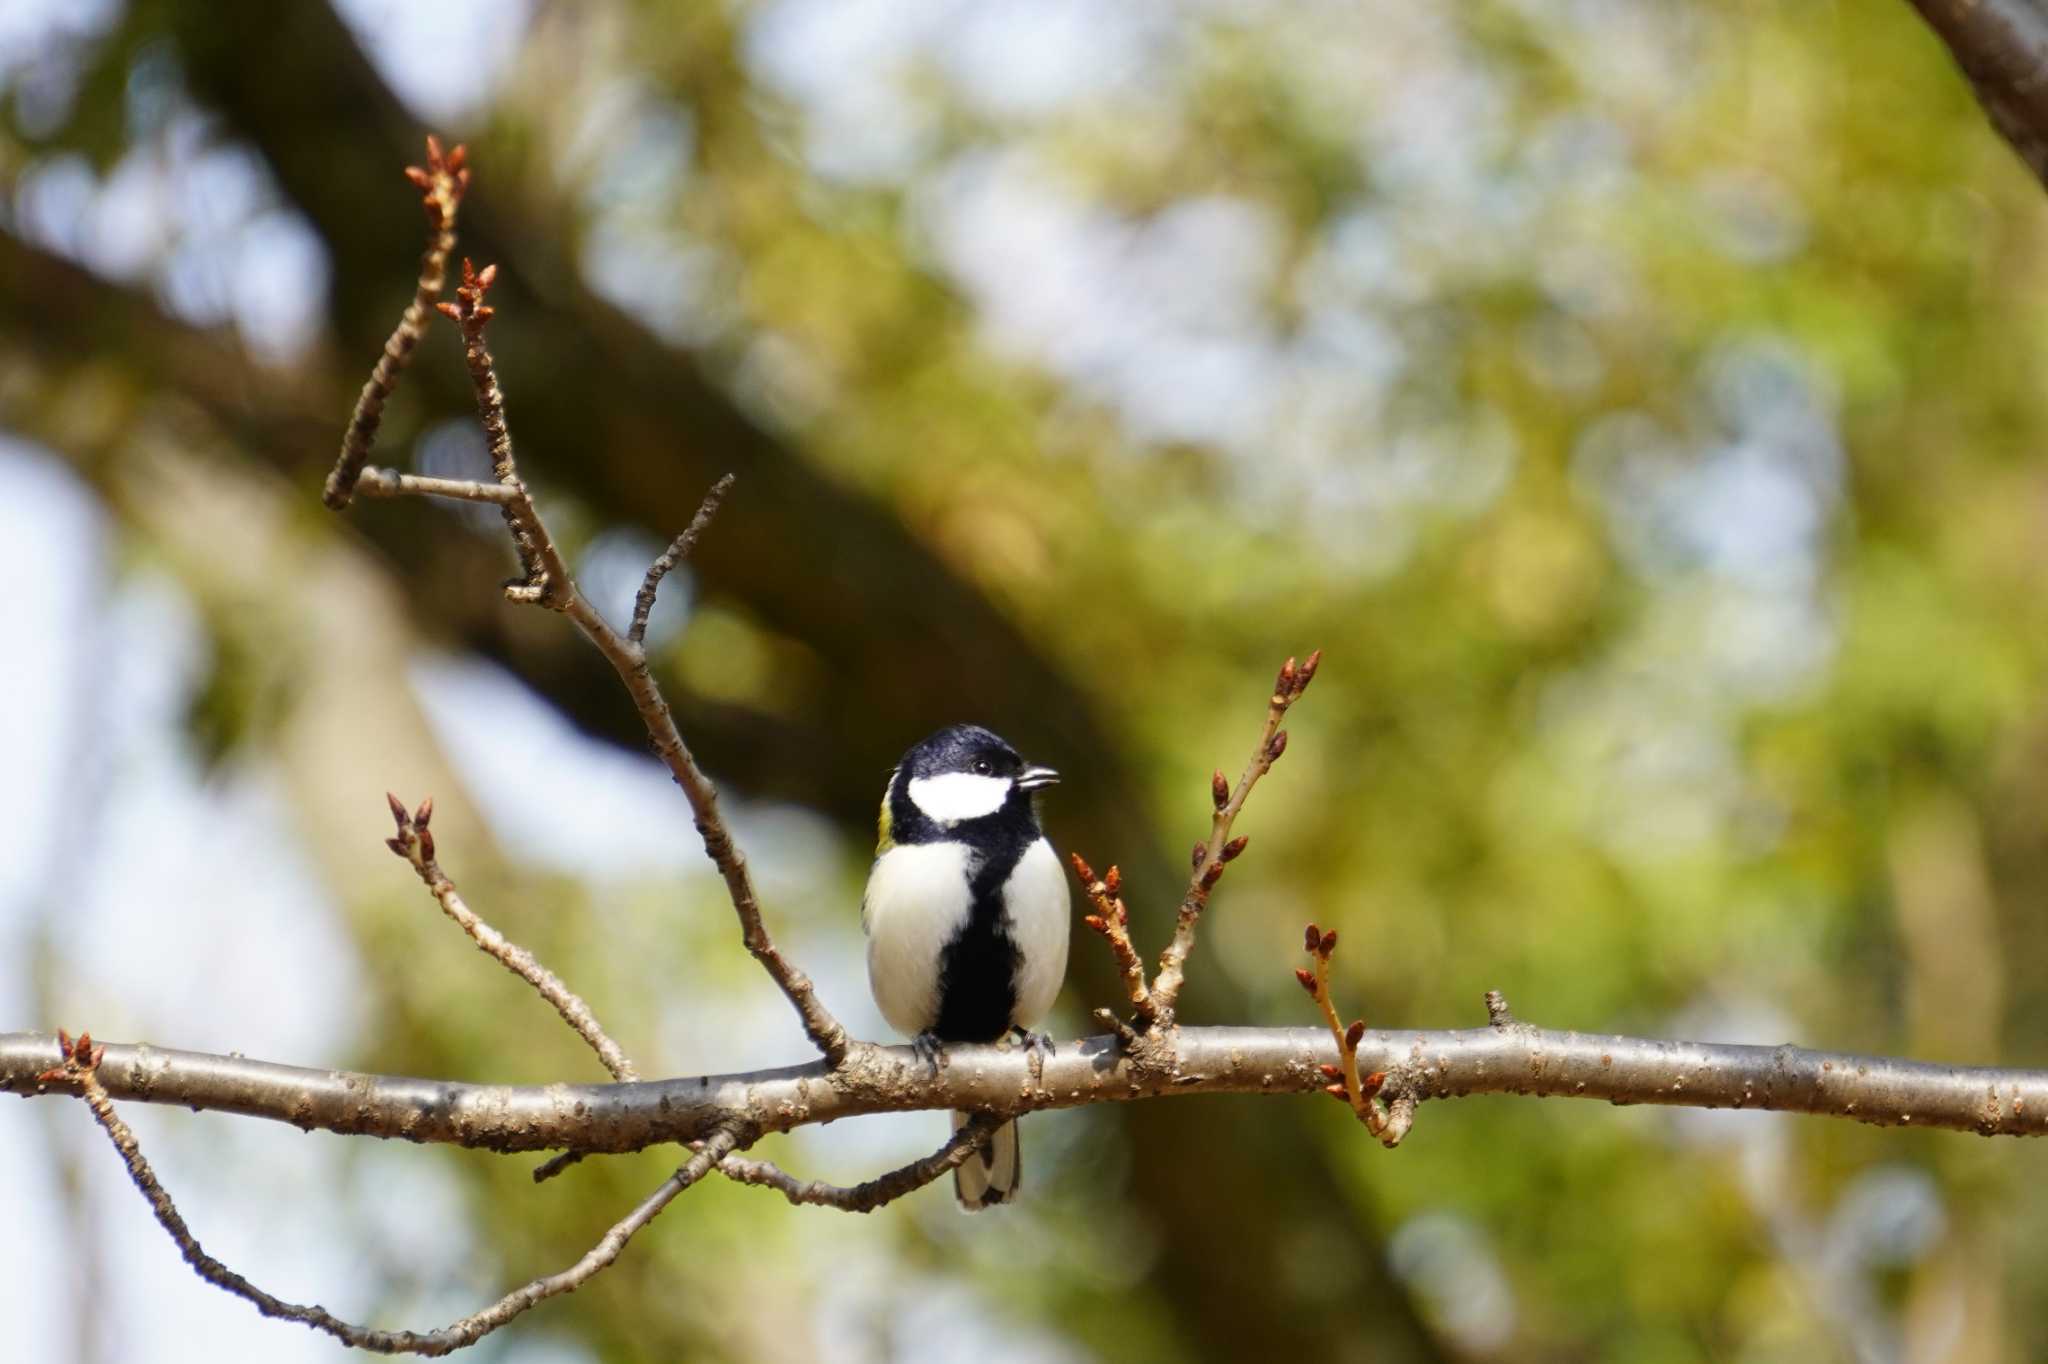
x=966 y=913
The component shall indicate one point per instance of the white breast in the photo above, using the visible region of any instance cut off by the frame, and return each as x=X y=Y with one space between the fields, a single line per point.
x=916 y=902
x=1035 y=897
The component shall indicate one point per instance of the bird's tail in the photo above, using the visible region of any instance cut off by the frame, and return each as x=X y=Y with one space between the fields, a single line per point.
x=991 y=1174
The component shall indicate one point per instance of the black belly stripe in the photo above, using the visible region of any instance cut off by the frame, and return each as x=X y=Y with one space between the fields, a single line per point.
x=978 y=970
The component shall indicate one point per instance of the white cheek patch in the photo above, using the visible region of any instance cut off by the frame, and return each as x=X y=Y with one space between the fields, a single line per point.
x=956 y=796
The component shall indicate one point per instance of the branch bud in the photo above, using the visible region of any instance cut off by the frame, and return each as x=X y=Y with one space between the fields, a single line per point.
x=1082 y=869
x=1337 y=1092
x=1308 y=672
x=1373 y=1083
x=1354 y=1034
x=398 y=811
x=1283 y=686
x=1308 y=982
x=424 y=813
x=1113 y=881
x=1312 y=939
x=1219 y=789
x=1277 y=746
x=1331 y=1072
x=1212 y=875
x=1201 y=851
x=1329 y=944
x=1234 y=847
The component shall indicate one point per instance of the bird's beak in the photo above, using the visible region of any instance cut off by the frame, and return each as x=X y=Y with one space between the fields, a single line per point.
x=1031 y=778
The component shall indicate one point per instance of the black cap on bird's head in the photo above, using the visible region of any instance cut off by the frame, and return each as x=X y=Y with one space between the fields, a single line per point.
x=963 y=772
x=975 y=751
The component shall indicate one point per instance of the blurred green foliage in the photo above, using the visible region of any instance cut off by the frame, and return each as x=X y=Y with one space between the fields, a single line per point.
x=1640 y=407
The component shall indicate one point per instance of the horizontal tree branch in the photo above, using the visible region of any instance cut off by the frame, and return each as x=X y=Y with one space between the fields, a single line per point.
x=1419 y=1066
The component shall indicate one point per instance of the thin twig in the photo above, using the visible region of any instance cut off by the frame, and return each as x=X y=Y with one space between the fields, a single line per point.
x=441 y=184
x=415 y=843
x=1211 y=855
x=79 y=1071
x=545 y=580
x=1112 y=919
x=678 y=550
x=376 y=482
x=544 y=576
x=970 y=1137
x=1361 y=1092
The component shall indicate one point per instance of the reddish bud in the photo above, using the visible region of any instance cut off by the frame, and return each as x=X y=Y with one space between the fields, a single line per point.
x=1201 y=852
x=1329 y=942
x=447 y=309
x=1219 y=789
x=63 y=1041
x=1331 y=1072
x=458 y=156
x=1308 y=671
x=1113 y=880
x=1337 y=1092
x=487 y=276
x=1373 y=1083
x=99 y=1054
x=1354 y=1034
x=420 y=179
x=1211 y=875
x=1278 y=746
x=461 y=181
x=1234 y=847
x=1081 y=868
x=434 y=157
x=426 y=843
x=397 y=845
x=1308 y=982
x=424 y=813
x=398 y=810
x=1095 y=921
x=1284 y=685
x=1311 y=939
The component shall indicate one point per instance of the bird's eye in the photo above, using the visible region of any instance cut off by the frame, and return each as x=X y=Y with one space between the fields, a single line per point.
x=982 y=767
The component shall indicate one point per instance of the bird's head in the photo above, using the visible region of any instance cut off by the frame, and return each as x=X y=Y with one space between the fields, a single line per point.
x=965 y=772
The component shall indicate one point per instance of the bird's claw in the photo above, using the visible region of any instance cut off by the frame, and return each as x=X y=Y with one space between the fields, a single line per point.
x=930 y=1050
x=1039 y=1043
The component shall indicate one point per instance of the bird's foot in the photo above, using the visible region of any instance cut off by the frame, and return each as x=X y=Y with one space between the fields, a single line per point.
x=1037 y=1046
x=1038 y=1042
x=930 y=1050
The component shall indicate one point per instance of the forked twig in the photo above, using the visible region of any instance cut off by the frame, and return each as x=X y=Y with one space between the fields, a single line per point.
x=80 y=1063
x=545 y=581
x=1154 y=1003
x=441 y=182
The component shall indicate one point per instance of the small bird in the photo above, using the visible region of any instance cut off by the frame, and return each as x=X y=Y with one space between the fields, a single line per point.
x=966 y=914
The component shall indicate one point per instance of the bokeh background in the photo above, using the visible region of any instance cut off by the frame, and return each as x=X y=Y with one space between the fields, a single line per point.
x=1640 y=404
